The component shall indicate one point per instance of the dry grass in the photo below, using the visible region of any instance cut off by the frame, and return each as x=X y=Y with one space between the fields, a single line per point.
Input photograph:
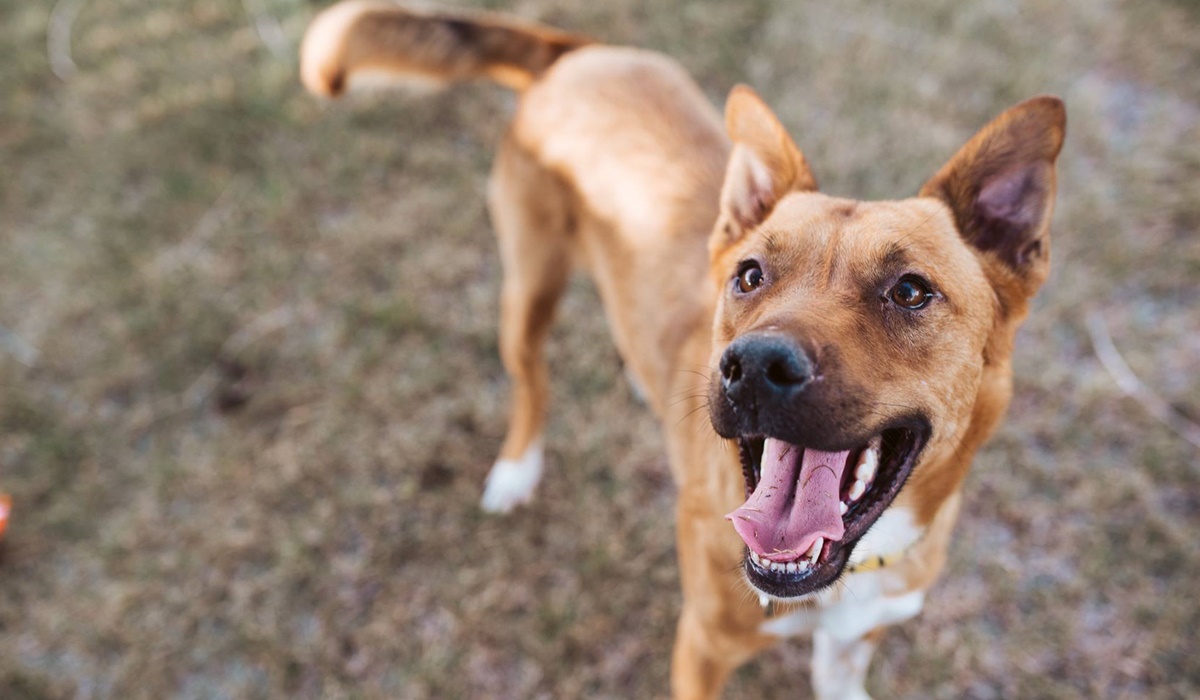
x=295 y=515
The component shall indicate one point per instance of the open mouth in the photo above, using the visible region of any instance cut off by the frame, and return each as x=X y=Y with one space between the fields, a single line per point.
x=806 y=509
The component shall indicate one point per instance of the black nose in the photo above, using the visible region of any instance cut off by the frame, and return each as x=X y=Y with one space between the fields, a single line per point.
x=764 y=367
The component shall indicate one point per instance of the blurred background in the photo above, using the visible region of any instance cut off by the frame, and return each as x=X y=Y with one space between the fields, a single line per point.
x=249 y=383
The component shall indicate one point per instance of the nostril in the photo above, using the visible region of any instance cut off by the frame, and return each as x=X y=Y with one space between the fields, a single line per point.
x=731 y=370
x=782 y=372
x=764 y=365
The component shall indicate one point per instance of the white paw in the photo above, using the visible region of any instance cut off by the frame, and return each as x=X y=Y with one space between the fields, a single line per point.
x=512 y=481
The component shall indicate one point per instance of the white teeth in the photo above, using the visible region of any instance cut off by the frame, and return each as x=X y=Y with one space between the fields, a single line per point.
x=795 y=566
x=867 y=463
x=789 y=567
x=864 y=473
x=814 y=552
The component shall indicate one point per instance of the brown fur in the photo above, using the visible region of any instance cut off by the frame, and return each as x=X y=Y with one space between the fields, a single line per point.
x=614 y=160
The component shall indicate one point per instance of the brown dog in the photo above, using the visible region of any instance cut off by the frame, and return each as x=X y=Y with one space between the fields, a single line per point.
x=860 y=349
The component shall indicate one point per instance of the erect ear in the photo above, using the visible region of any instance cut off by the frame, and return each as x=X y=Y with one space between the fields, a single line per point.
x=1000 y=186
x=764 y=166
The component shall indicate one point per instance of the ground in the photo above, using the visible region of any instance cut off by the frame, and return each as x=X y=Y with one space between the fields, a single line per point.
x=249 y=385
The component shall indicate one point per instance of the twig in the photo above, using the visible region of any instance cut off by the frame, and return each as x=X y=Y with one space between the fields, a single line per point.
x=267 y=27
x=58 y=38
x=16 y=346
x=207 y=225
x=1129 y=383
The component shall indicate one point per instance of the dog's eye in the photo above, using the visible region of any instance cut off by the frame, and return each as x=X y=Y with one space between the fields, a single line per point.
x=911 y=292
x=750 y=277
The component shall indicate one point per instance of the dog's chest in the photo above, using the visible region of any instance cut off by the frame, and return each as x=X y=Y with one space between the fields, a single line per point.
x=862 y=607
x=864 y=600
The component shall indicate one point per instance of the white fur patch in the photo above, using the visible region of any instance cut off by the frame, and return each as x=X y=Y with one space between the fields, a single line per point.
x=865 y=607
x=512 y=481
x=840 y=654
x=840 y=670
x=803 y=621
x=861 y=608
x=895 y=531
x=858 y=605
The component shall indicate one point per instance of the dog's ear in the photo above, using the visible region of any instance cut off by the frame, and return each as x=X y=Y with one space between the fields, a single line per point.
x=764 y=166
x=1001 y=185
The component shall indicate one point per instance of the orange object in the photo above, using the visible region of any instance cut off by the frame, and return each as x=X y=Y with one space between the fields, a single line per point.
x=5 y=509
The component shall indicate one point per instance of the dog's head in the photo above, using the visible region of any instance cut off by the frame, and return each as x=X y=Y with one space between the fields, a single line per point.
x=862 y=348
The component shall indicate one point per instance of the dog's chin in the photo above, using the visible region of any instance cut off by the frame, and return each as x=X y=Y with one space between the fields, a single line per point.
x=899 y=448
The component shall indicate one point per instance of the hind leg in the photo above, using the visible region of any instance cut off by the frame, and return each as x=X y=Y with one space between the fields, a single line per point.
x=530 y=210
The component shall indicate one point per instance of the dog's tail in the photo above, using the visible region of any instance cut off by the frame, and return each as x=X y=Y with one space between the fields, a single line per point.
x=370 y=36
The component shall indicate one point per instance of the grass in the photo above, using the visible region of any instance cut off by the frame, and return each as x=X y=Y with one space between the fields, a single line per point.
x=295 y=515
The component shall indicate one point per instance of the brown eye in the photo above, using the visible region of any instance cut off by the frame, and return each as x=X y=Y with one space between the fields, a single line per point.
x=750 y=278
x=911 y=292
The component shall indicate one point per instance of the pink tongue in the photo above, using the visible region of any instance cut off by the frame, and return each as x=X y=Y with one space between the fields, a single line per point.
x=796 y=501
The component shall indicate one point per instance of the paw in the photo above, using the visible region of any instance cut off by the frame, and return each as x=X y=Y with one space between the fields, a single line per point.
x=512 y=481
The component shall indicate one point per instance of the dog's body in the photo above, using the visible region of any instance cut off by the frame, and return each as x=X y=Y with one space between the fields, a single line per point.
x=877 y=331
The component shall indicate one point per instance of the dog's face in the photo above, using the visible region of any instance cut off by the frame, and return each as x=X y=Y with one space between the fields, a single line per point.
x=858 y=344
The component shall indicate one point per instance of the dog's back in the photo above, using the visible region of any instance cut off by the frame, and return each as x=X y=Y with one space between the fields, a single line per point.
x=639 y=149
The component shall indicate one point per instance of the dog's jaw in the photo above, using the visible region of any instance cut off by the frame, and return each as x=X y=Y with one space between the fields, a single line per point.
x=868 y=482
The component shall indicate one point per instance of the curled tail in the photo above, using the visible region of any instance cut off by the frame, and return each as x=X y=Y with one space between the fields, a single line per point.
x=371 y=36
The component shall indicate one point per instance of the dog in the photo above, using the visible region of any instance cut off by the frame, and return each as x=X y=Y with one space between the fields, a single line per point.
x=860 y=351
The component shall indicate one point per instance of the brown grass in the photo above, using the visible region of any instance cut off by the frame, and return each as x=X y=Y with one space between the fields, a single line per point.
x=295 y=515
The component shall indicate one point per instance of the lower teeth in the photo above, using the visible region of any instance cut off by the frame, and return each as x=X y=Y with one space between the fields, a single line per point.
x=790 y=567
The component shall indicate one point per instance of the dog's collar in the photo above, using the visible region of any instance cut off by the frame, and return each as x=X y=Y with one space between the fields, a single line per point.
x=884 y=560
x=879 y=562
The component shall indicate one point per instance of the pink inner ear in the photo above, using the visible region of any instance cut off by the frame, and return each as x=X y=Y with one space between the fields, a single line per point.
x=750 y=191
x=1016 y=196
x=1009 y=210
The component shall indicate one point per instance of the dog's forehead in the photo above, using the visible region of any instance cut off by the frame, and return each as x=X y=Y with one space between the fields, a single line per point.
x=824 y=253
x=830 y=231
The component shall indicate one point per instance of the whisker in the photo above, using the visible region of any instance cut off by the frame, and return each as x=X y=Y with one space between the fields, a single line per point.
x=692 y=412
x=682 y=399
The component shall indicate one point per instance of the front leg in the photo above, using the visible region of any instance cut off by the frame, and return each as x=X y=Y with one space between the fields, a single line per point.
x=706 y=653
x=720 y=626
x=839 y=668
x=850 y=630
